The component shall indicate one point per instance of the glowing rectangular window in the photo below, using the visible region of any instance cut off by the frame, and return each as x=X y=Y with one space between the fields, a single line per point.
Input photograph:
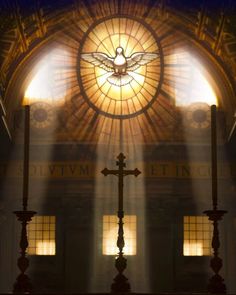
x=110 y=231
x=197 y=236
x=41 y=235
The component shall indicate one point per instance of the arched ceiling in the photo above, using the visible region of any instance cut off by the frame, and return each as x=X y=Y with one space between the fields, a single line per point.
x=26 y=29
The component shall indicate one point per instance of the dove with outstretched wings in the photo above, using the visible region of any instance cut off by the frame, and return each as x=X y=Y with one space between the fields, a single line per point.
x=119 y=66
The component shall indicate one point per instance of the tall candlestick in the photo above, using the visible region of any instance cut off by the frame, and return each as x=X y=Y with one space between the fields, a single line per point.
x=216 y=283
x=23 y=284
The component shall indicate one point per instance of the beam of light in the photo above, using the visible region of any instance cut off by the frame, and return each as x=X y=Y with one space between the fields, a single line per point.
x=106 y=202
x=49 y=83
x=194 y=93
x=195 y=85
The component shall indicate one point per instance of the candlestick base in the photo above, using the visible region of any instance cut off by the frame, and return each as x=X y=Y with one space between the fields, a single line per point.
x=23 y=284
x=120 y=285
x=216 y=283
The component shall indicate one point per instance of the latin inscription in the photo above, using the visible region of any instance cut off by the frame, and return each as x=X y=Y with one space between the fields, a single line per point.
x=57 y=170
x=50 y=170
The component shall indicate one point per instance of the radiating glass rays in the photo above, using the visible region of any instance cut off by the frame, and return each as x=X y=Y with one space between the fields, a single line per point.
x=110 y=99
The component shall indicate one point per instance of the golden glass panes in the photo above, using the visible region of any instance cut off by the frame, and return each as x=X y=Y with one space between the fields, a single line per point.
x=197 y=236
x=133 y=37
x=41 y=235
x=110 y=231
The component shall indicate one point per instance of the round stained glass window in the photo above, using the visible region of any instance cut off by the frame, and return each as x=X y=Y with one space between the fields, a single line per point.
x=120 y=67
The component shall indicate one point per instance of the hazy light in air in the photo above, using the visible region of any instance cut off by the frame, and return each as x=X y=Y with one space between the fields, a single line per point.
x=49 y=83
x=41 y=85
x=196 y=87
